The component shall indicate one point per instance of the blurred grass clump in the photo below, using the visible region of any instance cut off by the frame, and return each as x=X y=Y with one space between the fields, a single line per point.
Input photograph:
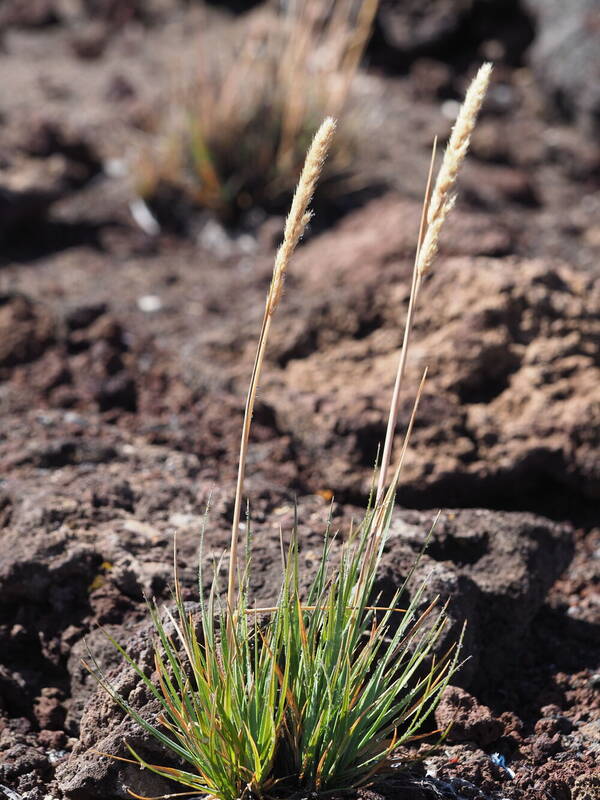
x=234 y=138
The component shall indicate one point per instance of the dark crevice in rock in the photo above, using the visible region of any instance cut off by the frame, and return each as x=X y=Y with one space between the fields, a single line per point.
x=449 y=32
x=40 y=237
x=459 y=550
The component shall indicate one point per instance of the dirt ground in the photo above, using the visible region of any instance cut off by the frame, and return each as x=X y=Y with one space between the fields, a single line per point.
x=125 y=354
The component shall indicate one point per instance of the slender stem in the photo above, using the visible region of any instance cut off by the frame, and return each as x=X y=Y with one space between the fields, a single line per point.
x=414 y=291
x=294 y=228
x=409 y=429
x=381 y=508
x=248 y=413
x=393 y=415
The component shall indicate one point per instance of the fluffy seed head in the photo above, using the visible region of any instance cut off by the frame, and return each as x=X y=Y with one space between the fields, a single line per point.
x=299 y=215
x=442 y=198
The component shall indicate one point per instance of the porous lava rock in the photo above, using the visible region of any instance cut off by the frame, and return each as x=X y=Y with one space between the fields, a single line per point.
x=449 y=31
x=27 y=328
x=105 y=728
x=469 y=720
x=493 y=567
x=499 y=603
x=512 y=399
x=565 y=57
x=81 y=359
x=47 y=165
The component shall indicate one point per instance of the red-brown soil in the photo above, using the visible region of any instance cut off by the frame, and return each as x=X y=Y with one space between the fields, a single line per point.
x=124 y=358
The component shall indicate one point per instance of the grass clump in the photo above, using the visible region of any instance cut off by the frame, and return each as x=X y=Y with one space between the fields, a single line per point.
x=317 y=692
x=313 y=694
x=357 y=683
x=236 y=137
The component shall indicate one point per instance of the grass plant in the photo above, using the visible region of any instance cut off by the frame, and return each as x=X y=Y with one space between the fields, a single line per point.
x=236 y=136
x=437 y=204
x=317 y=692
x=295 y=225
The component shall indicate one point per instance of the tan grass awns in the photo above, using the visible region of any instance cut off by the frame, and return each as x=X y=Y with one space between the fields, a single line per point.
x=436 y=205
x=442 y=198
x=299 y=215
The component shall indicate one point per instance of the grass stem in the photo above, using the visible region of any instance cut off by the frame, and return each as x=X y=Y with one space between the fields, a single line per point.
x=414 y=290
x=295 y=225
x=436 y=205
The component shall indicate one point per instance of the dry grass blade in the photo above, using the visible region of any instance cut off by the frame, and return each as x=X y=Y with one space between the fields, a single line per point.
x=294 y=228
x=235 y=132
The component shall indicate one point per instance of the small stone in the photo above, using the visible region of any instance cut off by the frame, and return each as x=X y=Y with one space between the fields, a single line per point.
x=471 y=721
x=48 y=710
x=594 y=681
x=545 y=746
x=547 y=726
x=149 y=303
x=53 y=740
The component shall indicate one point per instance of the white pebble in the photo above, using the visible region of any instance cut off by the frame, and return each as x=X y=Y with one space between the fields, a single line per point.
x=149 y=303
x=450 y=109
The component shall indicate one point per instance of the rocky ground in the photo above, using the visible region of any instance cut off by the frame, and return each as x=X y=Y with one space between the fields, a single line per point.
x=125 y=353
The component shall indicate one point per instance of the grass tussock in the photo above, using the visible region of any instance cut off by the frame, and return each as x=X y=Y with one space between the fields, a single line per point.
x=316 y=693
x=235 y=138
